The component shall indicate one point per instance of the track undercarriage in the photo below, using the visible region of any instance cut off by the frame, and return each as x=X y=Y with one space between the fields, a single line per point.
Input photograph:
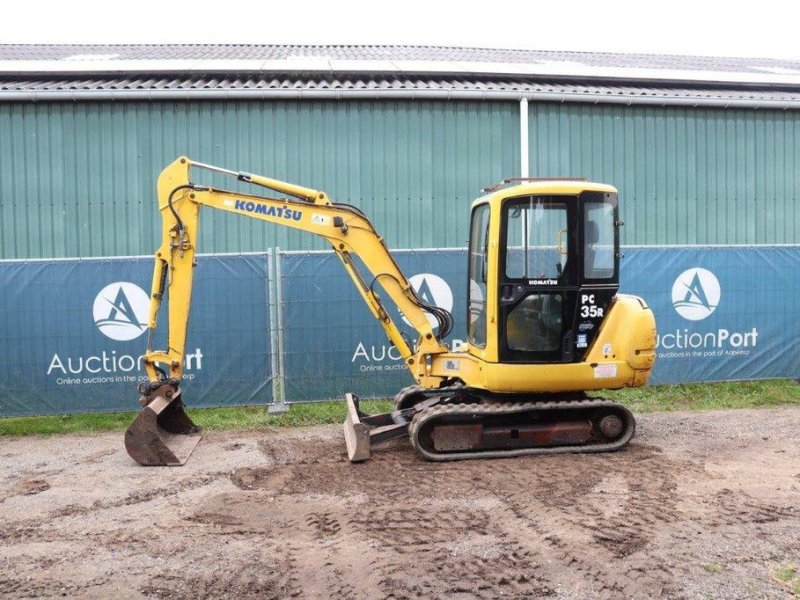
x=460 y=423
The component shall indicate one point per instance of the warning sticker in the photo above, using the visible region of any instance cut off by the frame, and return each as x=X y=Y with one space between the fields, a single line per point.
x=604 y=371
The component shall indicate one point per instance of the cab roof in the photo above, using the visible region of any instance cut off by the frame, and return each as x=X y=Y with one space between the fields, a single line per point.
x=538 y=187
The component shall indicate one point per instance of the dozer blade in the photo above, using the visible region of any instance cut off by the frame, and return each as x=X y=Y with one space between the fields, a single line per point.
x=362 y=431
x=162 y=434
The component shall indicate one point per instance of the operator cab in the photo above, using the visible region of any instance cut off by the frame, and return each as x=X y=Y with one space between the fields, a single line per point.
x=540 y=293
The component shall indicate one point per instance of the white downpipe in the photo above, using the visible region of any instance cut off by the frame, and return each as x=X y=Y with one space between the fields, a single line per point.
x=523 y=168
x=523 y=138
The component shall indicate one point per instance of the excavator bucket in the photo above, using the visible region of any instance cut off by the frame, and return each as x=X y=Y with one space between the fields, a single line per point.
x=162 y=434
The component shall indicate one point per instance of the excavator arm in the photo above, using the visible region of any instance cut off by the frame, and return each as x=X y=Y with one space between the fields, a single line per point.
x=347 y=229
x=163 y=433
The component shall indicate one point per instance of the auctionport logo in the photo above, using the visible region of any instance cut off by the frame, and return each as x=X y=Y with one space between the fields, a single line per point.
x=695 y=294
x=120 y=311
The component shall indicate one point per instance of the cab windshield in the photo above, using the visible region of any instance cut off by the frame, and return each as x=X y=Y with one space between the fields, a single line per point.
x=537 y=240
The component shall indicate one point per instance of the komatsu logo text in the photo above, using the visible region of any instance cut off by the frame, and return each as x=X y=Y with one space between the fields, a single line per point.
x=270 y=211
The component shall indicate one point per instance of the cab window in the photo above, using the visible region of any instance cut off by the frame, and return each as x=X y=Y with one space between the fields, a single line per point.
x=478 y=275
x=598 y=240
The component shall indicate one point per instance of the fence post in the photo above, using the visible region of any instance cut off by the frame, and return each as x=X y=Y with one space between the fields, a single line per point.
x=279 y=404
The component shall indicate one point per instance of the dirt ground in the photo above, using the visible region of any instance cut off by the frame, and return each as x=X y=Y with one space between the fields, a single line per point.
x=700 y=505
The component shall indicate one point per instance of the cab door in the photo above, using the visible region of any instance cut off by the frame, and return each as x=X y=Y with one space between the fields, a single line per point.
x=538 y=275
x=558 y=275
x=599 y=258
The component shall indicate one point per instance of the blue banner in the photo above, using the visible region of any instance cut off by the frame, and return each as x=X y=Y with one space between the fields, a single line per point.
x=723 y=313
x=72 y=333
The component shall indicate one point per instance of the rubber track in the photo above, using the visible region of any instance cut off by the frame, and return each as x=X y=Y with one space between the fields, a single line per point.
x=407 y=391
x=505 y=408
x=424 y=392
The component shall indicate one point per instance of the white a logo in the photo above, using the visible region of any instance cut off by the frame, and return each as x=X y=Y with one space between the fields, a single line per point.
x=696 y=294
x=120 y=311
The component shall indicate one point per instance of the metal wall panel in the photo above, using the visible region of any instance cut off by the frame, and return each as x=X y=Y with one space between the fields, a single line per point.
x=78 y=179
x=686 y=176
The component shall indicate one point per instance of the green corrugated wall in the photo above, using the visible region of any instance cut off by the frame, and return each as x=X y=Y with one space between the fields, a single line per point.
x=78 y=179
x=685 y=176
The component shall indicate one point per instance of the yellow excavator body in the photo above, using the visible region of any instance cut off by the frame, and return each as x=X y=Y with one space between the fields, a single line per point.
x=546 y=321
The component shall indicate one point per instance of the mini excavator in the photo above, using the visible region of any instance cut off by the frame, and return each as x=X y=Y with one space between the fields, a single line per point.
x=546 y=326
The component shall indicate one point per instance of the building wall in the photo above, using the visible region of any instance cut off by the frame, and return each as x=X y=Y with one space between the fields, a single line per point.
x=685 y=176
x=78 y=179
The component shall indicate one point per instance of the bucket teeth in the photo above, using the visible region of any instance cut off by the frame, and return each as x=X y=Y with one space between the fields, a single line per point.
x=162 y=434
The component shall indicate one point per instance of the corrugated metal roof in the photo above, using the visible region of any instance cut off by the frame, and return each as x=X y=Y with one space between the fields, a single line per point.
x=157 y=52
x=155 y=82
x=76 y=72
x=403 y=61
x=157 y=86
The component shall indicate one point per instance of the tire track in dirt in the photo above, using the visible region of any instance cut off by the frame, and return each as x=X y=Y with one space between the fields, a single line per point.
x=389 y=529
x=562 y=500
x=323 y=552
x=47 y=529
x=612 y=511
x=403 y=532
x=25 y=487
x=320 y=554
x=24 y=587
